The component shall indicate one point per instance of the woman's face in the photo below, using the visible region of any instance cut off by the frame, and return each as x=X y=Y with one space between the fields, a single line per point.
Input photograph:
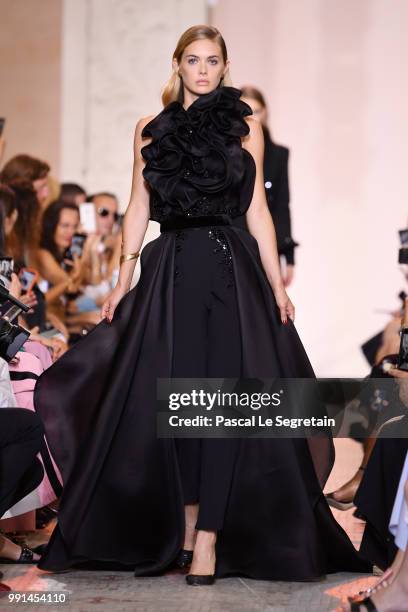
x=66 y=228
x=41 y=189
x=202 y=66
x=259 y=111
x=106 y=209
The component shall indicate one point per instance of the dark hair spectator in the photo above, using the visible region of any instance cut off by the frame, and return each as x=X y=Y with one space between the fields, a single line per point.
x=72 y=193
x=8 y=209
x=23 y=235
x=64 y=271
x=50 y=221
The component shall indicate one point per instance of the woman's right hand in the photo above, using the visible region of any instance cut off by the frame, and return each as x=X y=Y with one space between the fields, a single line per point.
x=15 y=286
x=109 y=305
x=284 y=304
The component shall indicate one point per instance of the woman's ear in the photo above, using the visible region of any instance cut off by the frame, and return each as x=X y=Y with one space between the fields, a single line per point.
x=175 y=65
x=226 y=69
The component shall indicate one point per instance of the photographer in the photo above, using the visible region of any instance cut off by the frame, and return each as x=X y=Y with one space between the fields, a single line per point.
x=26 y=362
x=19 y=212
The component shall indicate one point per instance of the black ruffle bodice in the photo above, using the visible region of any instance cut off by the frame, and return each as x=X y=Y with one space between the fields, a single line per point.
x=195 y=164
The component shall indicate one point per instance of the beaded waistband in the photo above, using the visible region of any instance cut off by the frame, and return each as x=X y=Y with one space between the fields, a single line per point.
x=176 y=223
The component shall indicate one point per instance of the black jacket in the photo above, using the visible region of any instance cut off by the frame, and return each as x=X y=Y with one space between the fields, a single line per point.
x=277 y=194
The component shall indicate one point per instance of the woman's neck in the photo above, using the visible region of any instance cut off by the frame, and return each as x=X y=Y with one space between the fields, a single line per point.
x=188 y=98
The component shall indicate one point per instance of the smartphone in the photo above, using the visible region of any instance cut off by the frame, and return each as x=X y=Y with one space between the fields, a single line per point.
x=403 y=236
x=403 y=255
x=2 y=122
x=28 y=278
x=12 y=338
x=88 y=217
x=6 y=270
x=77 y=244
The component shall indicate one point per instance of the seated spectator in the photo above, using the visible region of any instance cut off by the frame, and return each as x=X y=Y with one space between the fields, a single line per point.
x=27 y=169
x=105 y=247
x=22 y=221
x=72 y=193
x=381 y=346
x=21 y=438
x=18 y=238
x=63 y=272
x=391 y=591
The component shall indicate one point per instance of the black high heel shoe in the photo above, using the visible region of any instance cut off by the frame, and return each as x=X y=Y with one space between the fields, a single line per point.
x=197 y=580
x=184 y=558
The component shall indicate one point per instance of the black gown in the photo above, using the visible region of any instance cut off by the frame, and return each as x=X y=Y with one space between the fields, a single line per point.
x=202 y=307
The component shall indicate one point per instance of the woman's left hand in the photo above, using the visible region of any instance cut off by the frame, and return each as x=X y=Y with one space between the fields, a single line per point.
x=285 y=306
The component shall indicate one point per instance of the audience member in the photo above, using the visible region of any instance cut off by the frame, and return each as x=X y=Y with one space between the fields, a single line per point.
x=64 y=272
x=105 y=247
x=21 y=439
x=391 y=591
x=72 y=193
x=24 y=168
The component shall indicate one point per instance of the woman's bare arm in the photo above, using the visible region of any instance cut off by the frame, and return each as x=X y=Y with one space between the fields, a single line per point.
x=260 y=223
x=52 y=272
x=137 y=214
x=135 y=224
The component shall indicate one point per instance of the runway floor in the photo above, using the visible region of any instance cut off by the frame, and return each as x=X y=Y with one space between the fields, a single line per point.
x=110 y=591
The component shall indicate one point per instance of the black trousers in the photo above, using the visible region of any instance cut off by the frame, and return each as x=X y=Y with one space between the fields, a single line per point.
x=21 y=438
x=207 y=343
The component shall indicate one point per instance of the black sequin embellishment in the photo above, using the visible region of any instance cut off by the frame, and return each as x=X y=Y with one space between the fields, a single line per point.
x=224 y=252
x=180 y=237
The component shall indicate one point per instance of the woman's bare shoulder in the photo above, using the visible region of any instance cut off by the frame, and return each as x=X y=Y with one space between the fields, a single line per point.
x=254 y=138
x=140 y=125
x=143 y=121
x=255 y=127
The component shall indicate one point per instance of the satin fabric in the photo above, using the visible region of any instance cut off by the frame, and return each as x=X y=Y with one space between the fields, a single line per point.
x=122 y=501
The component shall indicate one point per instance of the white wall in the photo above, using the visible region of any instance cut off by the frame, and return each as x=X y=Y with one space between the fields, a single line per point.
x=116 y=58
x=334 y=72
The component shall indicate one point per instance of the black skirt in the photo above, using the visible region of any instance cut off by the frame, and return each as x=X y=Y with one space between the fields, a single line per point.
x=123 y=499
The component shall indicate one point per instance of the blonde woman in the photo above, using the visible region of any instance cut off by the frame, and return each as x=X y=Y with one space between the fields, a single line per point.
x=210 y=302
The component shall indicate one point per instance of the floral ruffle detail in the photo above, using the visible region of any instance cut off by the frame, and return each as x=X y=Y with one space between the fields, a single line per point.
x=195 y=164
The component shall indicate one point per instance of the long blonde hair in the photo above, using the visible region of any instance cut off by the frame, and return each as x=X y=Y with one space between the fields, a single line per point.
x=173 y=90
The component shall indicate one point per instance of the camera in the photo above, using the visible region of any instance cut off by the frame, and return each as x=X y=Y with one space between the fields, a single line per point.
x=403 y=251
x=12 y=336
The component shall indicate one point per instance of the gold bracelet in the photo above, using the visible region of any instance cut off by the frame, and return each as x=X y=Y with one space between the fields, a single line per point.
x=128 y=257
